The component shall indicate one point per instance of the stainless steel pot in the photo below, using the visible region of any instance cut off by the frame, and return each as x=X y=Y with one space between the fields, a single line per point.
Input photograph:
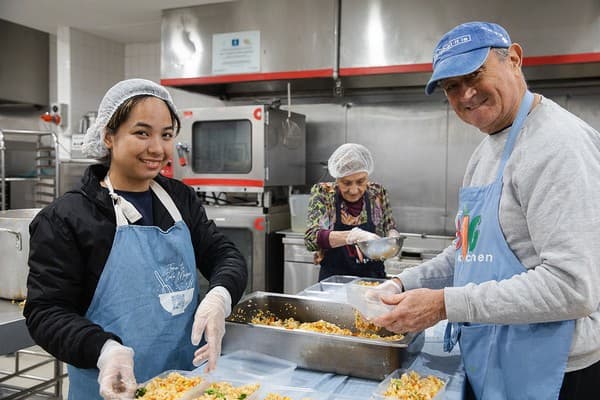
x=14 y=247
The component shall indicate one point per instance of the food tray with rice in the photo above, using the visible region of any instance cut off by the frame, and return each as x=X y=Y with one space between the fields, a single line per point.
x=316 y=334
x=414 y=383
x=231 y=389
x=172 y=385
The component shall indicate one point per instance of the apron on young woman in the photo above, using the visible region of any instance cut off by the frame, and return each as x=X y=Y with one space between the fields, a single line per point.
x=147 y=295
x=520 y=361
x=339 y=261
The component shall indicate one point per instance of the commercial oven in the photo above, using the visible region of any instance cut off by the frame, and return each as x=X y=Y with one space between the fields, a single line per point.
x=240 y=148
x=253 y=231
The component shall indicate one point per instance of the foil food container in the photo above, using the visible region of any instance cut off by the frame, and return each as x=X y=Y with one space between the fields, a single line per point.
x=345 y=355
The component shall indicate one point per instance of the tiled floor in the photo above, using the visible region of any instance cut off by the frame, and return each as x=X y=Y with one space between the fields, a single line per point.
x=7 y=365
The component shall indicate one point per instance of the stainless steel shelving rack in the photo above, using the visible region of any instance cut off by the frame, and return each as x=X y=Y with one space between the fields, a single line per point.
x=25 y=380
x=46 y=158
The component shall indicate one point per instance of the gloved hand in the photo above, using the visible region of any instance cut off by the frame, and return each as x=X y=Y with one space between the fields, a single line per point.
x=393 y=233
x=387 y=288
x=116 y=377
x=360 y=235
x=210 y=321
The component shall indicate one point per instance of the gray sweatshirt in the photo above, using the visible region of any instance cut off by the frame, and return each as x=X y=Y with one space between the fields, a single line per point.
x=550 y=216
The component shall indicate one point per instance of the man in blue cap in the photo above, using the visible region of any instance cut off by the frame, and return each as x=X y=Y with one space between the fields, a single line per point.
x=520 y=285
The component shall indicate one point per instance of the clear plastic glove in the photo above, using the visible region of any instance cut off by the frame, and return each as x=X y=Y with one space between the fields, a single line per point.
x=360 y=235
x=210 y=321
x=116 y=377
x=387 y=288
x=393 y=233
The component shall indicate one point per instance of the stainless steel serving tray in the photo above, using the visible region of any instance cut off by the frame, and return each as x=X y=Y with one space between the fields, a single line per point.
x=346 y=355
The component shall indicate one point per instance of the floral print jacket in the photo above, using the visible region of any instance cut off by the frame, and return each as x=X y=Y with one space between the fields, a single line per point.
x=322 y=215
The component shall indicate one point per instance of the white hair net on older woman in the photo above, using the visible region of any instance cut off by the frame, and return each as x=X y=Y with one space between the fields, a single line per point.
x=349 y=159
x=93 y=141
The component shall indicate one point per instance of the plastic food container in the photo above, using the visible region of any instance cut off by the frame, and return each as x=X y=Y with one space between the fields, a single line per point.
x=308 y=379
x=294 y=393
x=191 y=393
x=339 y=279
x=250 y=366
x=356 y=387
x=327 y=291
x=423 y=372
x=360 y=295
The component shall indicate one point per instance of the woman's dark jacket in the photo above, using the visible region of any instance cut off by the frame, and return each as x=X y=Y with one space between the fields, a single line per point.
x=69 y=246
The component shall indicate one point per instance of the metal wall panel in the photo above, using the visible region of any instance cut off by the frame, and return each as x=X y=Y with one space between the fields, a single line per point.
x=585 y=107
x=294 y=35
x=325 y=131
x=390 y=32
x=408 y=142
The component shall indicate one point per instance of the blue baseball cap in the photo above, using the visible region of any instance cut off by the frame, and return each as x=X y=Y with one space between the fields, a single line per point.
x=464 y=49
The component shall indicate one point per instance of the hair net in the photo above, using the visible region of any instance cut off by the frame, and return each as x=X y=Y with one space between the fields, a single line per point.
x=93 y=141
x=349 y=159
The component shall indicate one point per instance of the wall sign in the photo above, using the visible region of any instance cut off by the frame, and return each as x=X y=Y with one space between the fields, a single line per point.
x=236 y=53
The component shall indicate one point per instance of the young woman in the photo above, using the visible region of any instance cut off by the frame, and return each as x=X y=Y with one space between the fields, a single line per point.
x=112 y=288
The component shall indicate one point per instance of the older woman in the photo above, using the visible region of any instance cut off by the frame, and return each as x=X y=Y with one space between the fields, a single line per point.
x=351 y=209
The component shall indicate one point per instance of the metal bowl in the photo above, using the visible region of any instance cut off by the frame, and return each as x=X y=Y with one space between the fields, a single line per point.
x=382 y=249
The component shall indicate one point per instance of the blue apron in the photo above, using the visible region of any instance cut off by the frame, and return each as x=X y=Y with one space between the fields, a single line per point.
x=520 y=361
x=147 y=295
x=338 y=261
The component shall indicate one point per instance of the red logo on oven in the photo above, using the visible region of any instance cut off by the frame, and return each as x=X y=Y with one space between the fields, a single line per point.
x=257 y=113
x=259 y=224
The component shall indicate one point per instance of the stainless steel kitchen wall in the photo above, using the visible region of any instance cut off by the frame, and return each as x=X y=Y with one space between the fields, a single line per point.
x=420 y=148
x=294 y=35
x=364 y=43
x=388 y=33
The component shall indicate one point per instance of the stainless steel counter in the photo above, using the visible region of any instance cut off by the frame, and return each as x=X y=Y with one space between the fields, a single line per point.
x=299 y=271
x=13 y=331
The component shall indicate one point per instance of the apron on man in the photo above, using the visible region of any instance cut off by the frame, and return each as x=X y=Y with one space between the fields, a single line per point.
x=520 y=361
x=147 y=295
x=339 y=260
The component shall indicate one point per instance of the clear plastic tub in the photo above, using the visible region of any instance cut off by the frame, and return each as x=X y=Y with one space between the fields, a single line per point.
x=326 y=290
x=308 y=379
x=339 y=279
x=293 y=393
x=189 y=394
x=356 y=387
x=422 y=371
x=298 y=211
x=252 y=366
x=359 y=295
